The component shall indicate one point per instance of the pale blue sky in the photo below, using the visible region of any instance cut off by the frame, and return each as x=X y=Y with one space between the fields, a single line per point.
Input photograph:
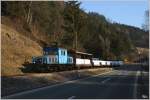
x=130 y=12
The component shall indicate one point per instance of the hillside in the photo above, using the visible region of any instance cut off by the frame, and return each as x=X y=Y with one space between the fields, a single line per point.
x=15 y=50
x=139 y=37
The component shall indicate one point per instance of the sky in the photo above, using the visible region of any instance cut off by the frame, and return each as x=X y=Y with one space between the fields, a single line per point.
x=129 y=12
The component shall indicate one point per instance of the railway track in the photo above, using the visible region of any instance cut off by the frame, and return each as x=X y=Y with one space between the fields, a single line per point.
x=53 y=71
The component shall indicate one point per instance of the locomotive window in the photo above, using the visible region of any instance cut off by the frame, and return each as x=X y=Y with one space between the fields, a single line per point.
x=100 y=63
x=62 y=52
x=44 y=60
x=55 y=59
x=45 y=53
x=39 y=60
x=70 y=60
x=50 y=60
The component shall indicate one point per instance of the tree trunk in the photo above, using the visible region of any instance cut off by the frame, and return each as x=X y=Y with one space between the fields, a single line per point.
x=29 y=14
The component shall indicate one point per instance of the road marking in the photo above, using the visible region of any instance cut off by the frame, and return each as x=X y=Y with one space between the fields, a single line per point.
x=106 y=80
x=135 y=85
x=72 y=97
x=144 y=96
x=88 y=77
x=59 y=84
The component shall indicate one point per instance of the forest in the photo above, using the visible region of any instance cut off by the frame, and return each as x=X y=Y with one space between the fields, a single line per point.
x=71 y=27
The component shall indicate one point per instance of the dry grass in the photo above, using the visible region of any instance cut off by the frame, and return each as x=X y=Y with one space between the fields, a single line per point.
x=16 y=49
x=35 y=34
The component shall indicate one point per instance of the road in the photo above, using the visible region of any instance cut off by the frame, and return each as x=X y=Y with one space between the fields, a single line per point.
x=122 y=83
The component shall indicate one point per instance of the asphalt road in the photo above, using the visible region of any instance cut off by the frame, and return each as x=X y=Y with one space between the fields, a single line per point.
x=121 y=83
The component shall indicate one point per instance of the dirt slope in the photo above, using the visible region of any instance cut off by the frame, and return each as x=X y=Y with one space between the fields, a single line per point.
x=15 y=50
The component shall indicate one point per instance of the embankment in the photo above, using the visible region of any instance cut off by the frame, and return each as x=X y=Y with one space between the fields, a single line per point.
x=11 y=85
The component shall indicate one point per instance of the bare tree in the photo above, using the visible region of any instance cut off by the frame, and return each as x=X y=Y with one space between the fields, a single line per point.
x=145 y=26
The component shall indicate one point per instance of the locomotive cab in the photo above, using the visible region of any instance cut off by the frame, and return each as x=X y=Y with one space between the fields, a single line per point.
x=53 y=55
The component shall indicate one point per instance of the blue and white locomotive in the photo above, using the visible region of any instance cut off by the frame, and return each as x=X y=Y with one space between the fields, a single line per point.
x=57 y=57
x=53 y=55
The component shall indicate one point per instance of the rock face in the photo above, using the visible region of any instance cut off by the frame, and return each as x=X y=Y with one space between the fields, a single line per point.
x=15 y=50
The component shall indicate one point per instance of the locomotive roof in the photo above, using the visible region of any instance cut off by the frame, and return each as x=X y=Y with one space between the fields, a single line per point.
x=78 y=52
x=52 y=48
x=84 y=53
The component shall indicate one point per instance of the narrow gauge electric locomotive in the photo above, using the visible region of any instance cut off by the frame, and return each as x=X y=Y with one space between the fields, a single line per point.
x=53 y=55
x=60 y=58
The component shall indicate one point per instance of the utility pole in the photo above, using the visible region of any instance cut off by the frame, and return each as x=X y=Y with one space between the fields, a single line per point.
x=139 y=57
x=76 y=41
x=76 y=44
x=75 y=21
